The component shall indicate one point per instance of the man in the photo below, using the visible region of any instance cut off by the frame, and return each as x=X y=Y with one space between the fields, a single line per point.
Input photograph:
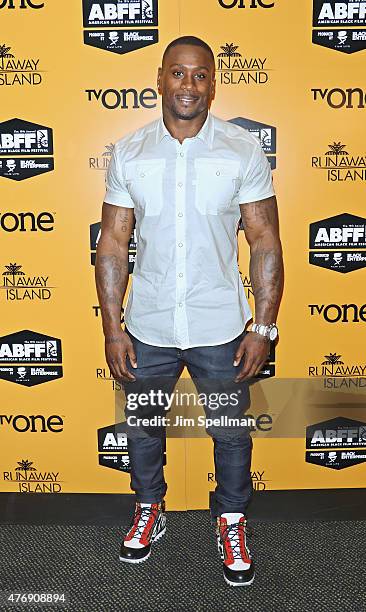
x=185 y=180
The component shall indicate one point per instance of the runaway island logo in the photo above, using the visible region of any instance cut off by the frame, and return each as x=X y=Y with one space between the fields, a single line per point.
x=28 y=479
x=340 y=165
x=19 y=286
x=18 y=71
x=337 y=373
x=236 y=69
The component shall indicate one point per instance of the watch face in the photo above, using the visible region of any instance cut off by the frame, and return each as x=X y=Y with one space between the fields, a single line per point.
x=273 y=333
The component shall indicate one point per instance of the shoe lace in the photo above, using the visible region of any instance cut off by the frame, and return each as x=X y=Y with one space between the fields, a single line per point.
x=233 y=533
x=140 y=520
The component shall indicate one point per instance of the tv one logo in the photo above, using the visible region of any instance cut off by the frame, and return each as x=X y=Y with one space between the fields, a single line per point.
x=26 y=222
x=335 y=313
x=353 y=97
x=22 y=4
x=33 y=423
x=346 y=232
x=242 y=4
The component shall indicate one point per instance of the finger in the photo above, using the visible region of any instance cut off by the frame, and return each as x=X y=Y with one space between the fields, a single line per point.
x=247 y=365
x=125 y=373
x=132 y=355
x=239 y=353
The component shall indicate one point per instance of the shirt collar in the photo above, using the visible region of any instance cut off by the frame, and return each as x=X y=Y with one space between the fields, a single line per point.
x=205 y=134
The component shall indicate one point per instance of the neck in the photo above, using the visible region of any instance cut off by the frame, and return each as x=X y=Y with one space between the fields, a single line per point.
x=183 y=128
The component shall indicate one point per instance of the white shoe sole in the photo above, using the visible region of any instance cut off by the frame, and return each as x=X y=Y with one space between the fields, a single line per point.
x=239 y=584
x=153 y=540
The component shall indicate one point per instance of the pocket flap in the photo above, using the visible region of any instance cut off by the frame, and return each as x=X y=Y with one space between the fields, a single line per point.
x=141 y=169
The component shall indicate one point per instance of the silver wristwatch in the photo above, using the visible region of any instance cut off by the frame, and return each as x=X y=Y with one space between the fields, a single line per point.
x=268 y=331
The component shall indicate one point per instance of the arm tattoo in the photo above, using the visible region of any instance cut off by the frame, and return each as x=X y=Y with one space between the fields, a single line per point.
x=111 y=268
x=260 y=222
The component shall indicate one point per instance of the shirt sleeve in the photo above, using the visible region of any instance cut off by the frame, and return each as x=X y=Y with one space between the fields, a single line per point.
x=116 y=189
x=257 y=182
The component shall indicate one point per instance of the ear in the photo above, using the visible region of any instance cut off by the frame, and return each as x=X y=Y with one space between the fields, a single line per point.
x=159 y=80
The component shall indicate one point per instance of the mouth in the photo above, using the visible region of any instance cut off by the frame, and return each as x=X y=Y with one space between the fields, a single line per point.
x=187 y=99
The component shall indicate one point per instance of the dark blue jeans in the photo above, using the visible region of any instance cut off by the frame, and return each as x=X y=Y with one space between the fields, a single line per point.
x=212 y=371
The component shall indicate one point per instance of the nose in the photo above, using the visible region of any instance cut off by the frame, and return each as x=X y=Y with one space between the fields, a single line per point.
x=187 y=82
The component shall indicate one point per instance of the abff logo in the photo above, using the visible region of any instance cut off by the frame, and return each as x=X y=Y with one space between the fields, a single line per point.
x=19 y=137
x=120 y=13
x=95 y=231
x=341 y=14
x=25 y=355
x=344 y=235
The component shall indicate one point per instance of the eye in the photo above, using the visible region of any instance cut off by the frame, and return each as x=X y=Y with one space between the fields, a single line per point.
x=177 y=73
x=200 y=76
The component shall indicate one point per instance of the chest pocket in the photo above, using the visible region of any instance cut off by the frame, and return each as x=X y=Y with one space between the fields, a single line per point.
x=144 y=180
x=216 y=183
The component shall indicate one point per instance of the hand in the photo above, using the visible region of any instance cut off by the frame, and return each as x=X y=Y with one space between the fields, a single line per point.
x=116 y=348
x=255 y=349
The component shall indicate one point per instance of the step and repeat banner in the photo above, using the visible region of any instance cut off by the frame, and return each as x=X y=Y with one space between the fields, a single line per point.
x=75 y=77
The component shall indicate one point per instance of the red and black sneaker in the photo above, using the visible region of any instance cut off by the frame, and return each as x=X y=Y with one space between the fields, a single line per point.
x=148 y=525
x=238 y=566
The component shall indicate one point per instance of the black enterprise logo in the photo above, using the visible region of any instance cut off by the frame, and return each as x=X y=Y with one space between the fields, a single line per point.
x=25 y=358
x=337 y=444
x=18 y=138
x=338 y=243
x=339 y=164
x=18 y=71
x=234 y=68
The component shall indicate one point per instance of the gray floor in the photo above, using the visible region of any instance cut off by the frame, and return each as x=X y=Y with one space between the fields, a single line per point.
x=301 y=567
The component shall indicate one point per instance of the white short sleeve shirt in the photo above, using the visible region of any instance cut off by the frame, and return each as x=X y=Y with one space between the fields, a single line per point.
x=186 y=288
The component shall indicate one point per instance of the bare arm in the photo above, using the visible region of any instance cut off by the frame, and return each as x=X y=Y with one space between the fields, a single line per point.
x=260 y=222
x=111 y=276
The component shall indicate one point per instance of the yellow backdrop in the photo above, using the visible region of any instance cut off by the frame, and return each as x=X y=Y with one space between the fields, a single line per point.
x=269 y=72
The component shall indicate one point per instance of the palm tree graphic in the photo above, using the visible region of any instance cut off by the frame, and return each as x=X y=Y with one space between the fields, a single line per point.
x=4 y=51
x=13 y=270
x=336 y=149
x=25 y=465
x=109 y=150
x=229 y=50
x=332 y=359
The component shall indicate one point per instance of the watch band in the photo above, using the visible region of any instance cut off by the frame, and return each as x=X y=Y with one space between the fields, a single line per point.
x=265 y=330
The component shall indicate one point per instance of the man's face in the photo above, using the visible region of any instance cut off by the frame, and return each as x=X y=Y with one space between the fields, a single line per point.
x=187 y=81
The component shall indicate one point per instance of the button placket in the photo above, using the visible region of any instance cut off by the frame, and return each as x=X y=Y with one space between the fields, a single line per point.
x=181 y=326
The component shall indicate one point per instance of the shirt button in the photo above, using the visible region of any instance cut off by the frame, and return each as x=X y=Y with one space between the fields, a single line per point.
x=181 y=154
x=142 y=174
x=180 y=304
x=180 y=274
x=218 y=173
x=180 y=214
x=180 y=184
x=180 y=244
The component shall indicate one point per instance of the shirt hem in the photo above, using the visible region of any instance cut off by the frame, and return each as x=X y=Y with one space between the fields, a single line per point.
x=183 y=347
